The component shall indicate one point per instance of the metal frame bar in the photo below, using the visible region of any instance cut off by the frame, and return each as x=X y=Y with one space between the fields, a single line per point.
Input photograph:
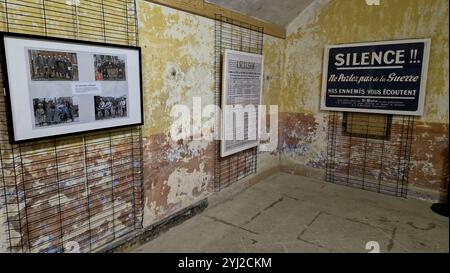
x=235 y=35
x=370 y=162
x=101 y=171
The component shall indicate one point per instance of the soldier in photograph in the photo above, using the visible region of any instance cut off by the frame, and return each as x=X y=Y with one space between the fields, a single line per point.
x=40 y=114
x=109 y=108
x=65 y=111
x=52 y=113
x=101 y=108
x=122 y=107
x=99 y=74
x=52 y=67
x=46 y=66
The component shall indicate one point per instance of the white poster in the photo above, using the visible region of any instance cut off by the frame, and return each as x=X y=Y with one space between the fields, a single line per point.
x=59 y=87
x=241 y=98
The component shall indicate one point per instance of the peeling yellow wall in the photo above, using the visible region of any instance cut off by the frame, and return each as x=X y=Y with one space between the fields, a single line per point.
x=176 y=41
x=273 y=52
x=178 y=62
x=178 y=65
x=328 y=22
x=178 y=56
x=273 y=69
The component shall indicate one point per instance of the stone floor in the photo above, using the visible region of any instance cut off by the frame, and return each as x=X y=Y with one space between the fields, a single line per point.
x=288 y=213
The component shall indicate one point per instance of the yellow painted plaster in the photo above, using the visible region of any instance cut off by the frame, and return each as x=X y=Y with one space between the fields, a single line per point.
x=178 y=62
x=328 y=22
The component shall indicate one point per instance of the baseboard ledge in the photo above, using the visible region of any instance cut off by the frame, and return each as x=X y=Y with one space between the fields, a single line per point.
x=142 y=236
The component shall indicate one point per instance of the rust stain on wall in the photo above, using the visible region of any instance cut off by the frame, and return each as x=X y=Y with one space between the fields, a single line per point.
x=177 y=174
x=178 y=61
x=429 y=166
x=303 y=139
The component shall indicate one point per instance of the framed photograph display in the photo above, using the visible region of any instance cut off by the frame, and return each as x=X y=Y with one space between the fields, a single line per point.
x=242 y=85
x=57 y=87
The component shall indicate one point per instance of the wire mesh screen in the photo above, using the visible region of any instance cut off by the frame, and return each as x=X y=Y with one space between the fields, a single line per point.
x=239 y=36
x=371 y=152
x=73 y=193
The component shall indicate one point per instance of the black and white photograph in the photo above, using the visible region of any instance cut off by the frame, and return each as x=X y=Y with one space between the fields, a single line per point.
x=109 y=68
x=53 y=65
x=54 y=111
x=110 y=107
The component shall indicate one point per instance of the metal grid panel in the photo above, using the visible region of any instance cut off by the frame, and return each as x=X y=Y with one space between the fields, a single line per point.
x=85 y=189
x=240 y=36
x=374 y=164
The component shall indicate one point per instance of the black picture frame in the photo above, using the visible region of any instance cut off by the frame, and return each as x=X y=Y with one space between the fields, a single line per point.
x=347 y=123
x=7 y=91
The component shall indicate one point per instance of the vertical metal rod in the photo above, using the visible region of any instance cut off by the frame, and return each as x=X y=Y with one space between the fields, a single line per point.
x=74 y=21
x=103 y=21
x=25 y=197
x=59 y=196
x=365 y=151
x=400 y=155
x=349 y=146
x=17 y=200
x=5 y=194
x=380 y=177
x=45 y=17
x=112 y=183
x=332 y=119
x=7 y=15
x=87 y=189
x=134 y=178
x=141 y=176
x=127 y=22
x=407 y=159
x=136 y=25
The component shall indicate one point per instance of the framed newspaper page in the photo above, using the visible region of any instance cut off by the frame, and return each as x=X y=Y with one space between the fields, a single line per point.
x=242 y=85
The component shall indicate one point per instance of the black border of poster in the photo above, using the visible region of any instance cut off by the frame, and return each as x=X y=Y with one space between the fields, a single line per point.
x=361 y=86
x=54 y=39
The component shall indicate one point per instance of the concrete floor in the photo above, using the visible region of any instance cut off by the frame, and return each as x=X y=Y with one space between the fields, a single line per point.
x=288 y=213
